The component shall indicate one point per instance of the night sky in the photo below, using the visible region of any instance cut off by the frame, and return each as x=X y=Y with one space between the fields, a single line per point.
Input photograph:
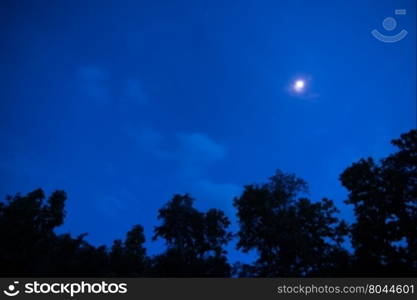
x=124 y=103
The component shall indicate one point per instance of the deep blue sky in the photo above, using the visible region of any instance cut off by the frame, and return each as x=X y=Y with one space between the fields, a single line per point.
x=124 y=103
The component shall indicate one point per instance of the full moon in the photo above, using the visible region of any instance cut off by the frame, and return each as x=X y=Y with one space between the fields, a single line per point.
x=299 y=85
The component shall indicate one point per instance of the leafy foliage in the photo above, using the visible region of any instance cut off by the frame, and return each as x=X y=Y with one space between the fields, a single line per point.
x=195 y=240
x=292 y=235
x=384 y=197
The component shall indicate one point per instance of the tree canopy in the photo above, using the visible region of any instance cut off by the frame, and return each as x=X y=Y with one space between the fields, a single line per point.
x=291 y=234
x=194 y=239
x=384 y=197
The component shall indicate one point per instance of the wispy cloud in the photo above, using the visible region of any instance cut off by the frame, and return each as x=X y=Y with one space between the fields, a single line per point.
x=218 y=195
x=196 y=152
x=193 y=154
x=95 y=84
x=148 y=140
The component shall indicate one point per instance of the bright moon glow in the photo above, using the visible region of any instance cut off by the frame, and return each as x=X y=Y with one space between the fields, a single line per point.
x=299 y=85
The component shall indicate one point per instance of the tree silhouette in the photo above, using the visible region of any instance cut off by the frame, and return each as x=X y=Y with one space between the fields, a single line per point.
x=30 y=246
x=384 y=197
x=194 y=240
x=129 y=258
x=293 y=236
x=26 y=230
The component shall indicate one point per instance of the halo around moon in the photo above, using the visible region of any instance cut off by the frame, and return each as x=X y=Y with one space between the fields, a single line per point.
x=299 y=85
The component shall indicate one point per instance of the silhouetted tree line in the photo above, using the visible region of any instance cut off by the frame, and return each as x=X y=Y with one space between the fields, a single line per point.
x=292 y=235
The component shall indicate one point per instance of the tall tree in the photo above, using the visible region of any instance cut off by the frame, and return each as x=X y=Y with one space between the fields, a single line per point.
x=30 y=247
x=292 y=235
x=195 y=240
x=129 y=258
x=27 y=226
x=384 y=197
